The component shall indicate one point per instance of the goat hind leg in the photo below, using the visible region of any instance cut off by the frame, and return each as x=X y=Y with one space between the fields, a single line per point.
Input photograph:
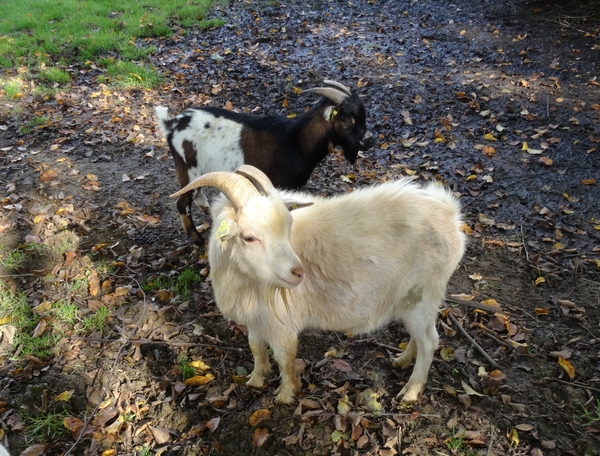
x=426 y=339
x=406 y=358
x=184 y=207
x=261 y=361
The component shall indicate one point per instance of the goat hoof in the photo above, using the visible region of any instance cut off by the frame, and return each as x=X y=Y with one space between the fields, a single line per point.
x=284 y=397
x=402 y=362
x=255 y=381
x=409 y=394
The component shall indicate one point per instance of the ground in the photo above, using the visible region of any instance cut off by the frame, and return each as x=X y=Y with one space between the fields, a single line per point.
x=498 y=100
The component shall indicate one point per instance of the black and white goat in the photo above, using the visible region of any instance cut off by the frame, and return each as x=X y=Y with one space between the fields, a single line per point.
x=210 y=139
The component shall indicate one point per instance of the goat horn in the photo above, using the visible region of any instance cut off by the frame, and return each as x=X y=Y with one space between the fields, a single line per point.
x=235 y=187
x=257 y=177
x=336 y=84
x=335 y=95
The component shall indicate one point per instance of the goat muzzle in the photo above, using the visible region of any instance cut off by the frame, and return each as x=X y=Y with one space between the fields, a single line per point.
x=367 y=142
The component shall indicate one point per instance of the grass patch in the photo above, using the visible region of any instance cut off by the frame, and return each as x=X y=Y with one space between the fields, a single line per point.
x=180 y=285
x=46 y=426
x=130 y=74
x=33 y=30
x=54 y=75
x=95 y=322
x=16 y=311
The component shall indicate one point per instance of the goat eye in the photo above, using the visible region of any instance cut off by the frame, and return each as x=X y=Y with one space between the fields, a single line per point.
x=250 y=239
x=349 y=120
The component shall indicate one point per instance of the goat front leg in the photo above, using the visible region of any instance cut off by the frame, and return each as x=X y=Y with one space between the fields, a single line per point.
x=261 y=360
x=284 y=352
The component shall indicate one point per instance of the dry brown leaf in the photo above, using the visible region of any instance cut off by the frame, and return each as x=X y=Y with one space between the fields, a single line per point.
x=161 y=435
x=260 y=436
x=48 y=175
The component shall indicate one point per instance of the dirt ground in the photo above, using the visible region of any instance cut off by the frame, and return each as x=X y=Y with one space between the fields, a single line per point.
x=499 y=100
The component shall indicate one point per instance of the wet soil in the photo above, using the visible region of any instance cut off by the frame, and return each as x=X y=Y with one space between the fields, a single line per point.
x=499 y=100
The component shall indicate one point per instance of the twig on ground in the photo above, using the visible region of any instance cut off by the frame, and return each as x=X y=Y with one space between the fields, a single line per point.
x=476 y=305
x=88 y=418
x=475 y=344
x=579 y=385
x=491 y=441
x=154 y=342
x=489 y=334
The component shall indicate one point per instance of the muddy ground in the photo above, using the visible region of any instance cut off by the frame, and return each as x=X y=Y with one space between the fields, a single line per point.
x=499 y=100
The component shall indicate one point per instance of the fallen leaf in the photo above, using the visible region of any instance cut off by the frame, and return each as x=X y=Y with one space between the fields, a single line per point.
x=260 y=436
x=568 y=367
x=199 y=380
x=161 y=435
x=513 y=436
x=539 y=280
x=258 y=416
x=199 y=364
x=48 y=175
x=470 y=391
x=591 y=181
x=64 y=396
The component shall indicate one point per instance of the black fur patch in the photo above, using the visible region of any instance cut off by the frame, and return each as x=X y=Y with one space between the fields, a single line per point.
x=183 y=122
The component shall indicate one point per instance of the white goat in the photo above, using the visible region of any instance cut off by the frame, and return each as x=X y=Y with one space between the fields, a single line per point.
x=350 y=263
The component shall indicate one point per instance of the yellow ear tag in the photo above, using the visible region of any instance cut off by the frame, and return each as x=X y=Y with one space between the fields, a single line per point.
x=222 y=231
x=330 y=113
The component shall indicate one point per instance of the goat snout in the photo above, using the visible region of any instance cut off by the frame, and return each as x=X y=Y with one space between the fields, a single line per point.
x=367 y=142
x=298 y=273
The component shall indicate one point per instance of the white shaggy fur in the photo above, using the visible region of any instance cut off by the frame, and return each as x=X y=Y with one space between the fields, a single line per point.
x=351 y=263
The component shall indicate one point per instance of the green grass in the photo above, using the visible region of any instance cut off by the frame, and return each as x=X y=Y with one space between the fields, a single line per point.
x=97 y=321
x=33 y=31
x=187 y=371
x=180 y=284
x=46 y=426
x=16 y=311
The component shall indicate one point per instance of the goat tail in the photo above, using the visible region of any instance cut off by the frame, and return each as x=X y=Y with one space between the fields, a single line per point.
x=162 y=113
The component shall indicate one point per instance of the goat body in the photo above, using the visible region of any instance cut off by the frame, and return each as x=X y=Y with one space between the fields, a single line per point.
x=351 y=263
x=209 y=139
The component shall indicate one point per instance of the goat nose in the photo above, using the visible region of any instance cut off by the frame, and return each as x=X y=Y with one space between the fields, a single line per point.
x=298 y=272
x=368 y=141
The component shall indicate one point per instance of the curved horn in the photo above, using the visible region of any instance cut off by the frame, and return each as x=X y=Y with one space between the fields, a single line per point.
x=234 y=186
x=335 y=95
x=336 y=84
x=257 y=177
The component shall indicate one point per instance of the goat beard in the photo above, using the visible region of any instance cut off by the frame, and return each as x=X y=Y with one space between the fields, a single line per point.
x=270 y=297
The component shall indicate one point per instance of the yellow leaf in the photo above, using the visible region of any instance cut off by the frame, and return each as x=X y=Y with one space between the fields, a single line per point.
x=5 y=320
x=344 y=405
x=513 y=436
x=591 y=181
x=64 y=396
x=541 y=311
x=568 y=367
x=471 y=177
x=403 y=345
x=539 y=280
x=489 y=137
x=258 y=416
x=475 y=276
x=490 y=302
x=447 y=353
x=525 y=146
x=410 y=172
x=199 y=364
x=199 y=380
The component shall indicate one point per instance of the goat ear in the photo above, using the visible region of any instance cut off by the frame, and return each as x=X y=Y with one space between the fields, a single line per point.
x=330 y=113
x=293 y=205
x=226 y=230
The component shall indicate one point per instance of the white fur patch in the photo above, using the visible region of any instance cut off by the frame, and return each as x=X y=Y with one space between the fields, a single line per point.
x=216 y=140
x=217 y=144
